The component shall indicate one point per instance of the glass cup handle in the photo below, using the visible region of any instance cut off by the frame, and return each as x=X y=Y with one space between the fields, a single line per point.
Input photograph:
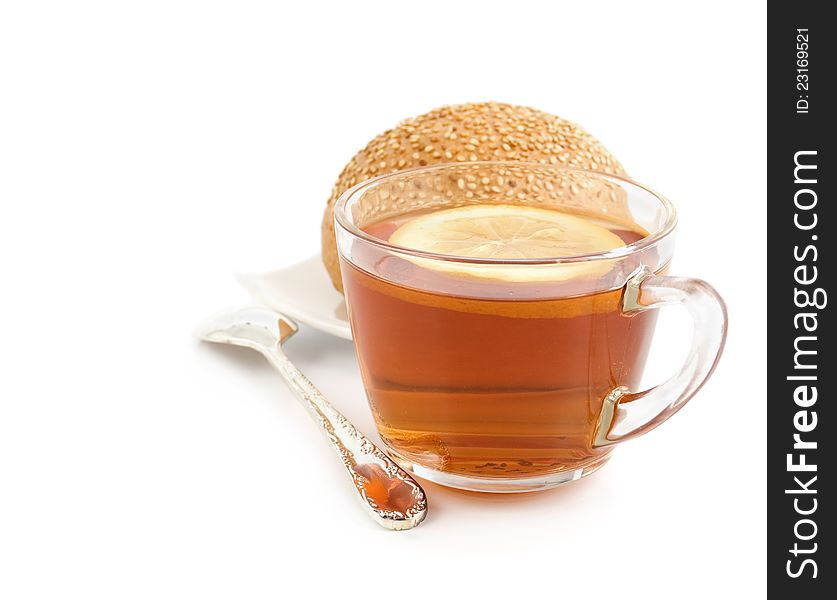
x=626 y=414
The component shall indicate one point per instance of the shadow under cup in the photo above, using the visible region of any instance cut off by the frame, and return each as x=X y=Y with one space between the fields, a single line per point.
x=500 y=383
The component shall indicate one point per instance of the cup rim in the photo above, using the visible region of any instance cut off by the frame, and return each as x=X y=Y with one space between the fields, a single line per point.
x=343 y=221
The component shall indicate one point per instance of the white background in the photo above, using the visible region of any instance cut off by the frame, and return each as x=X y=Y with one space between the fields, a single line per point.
x=149 y=150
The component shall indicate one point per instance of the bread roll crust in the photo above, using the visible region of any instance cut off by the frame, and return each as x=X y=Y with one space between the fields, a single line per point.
x=466 y=133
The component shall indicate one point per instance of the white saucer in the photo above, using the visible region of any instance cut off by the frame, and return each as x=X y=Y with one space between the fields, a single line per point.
x=303 y=292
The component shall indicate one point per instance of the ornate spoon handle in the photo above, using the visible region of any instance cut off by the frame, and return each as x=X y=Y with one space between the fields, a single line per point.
x=390 y=495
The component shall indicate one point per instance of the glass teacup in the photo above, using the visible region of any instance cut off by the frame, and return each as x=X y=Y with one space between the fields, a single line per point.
x=514 y=373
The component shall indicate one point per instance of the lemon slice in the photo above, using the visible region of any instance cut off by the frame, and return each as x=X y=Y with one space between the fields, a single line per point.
x=507 y=232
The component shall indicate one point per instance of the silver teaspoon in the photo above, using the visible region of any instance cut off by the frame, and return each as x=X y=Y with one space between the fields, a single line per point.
x=389 y=495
